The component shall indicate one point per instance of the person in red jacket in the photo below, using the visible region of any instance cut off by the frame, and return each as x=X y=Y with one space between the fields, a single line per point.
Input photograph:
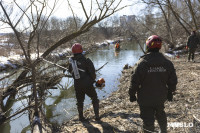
x=153 y=80
x=84 y=75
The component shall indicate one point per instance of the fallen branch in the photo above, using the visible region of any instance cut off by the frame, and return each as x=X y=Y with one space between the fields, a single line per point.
x=138 y=41
x=15 y=87
x=16 y=113
x=8 y=76
x=101 y=67
x=196 y=119
x=55 y=64
x=67 y=68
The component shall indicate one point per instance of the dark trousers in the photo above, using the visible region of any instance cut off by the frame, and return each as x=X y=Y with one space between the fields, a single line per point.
x=191 y=53
x=80 y=96
x=149 y=113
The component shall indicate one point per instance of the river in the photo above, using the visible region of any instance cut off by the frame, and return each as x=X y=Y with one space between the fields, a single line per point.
x=61 y=104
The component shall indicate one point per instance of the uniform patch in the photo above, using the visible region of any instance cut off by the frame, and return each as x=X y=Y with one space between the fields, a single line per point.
x=78 y=63
x=156 y=69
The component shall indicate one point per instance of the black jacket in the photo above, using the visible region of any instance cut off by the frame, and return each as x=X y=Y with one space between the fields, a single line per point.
x=193 y=41
x=88 y=77
x=152 y=78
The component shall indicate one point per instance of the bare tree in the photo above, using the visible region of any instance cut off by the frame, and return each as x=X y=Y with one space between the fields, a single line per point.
x=28 y=25
x=177 y=15
x=189 y=4
x=167 y=21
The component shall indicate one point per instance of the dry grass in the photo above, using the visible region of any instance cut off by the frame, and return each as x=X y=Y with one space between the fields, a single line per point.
x=4 y=52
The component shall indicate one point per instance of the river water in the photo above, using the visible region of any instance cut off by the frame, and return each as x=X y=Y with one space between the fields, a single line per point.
x=61 y=104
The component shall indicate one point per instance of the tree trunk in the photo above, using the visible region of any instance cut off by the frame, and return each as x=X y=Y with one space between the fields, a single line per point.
x=177 y=18
x=167 y=22
x=192 y=14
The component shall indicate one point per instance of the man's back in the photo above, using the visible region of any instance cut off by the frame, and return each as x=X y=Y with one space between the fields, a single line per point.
x=155 y=72
x=193 y=41
x=87 y=71
x=154 y=79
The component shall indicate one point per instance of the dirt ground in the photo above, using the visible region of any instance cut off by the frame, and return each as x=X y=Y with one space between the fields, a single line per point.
x=120 y=115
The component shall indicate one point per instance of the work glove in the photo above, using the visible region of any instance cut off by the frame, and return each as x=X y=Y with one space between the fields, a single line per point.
x=169 y=96
x=133 y=98
x=97 y=85
x=2 y=118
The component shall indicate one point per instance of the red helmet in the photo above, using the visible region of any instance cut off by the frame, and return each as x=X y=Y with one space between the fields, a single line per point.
x=77 y=48
x=154 y=41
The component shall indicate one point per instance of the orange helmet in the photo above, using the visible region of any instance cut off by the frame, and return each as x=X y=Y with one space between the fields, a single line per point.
x=154 y=41
x=77 y=48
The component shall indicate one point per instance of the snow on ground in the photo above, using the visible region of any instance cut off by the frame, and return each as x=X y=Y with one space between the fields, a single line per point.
x=169 y=55
x=7 y=61
x=104 y=43
x=4 y=60
x=6 y=44
x=109 y=41
x=16 y=58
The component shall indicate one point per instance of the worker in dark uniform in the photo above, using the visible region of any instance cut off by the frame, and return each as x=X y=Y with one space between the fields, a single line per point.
x=192 y=43
x=153 y=79
x=83 y=72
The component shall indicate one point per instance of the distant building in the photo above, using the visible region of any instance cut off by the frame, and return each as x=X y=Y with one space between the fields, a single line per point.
x=122 y=20
x=131 y=18
x=126 y=19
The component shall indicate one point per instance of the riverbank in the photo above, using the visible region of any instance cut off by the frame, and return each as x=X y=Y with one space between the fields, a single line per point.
x=15 y=61
x=57 y=116
x=120 y=115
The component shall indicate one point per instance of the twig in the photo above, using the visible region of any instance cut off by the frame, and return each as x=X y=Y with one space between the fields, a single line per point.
x=19 y=112
x=136 y=38
x=196 y=118
x=8 y=76
x=101 y=67
x=67 y=68
x=54 y=64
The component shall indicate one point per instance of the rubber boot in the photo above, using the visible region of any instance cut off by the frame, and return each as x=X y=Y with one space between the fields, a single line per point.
x=2 y=118
x=96 y=111
x=80 y=112
x=148 y=129
x=193 y=57
x=162 y=122
x=163 y=128
x=189 y=55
